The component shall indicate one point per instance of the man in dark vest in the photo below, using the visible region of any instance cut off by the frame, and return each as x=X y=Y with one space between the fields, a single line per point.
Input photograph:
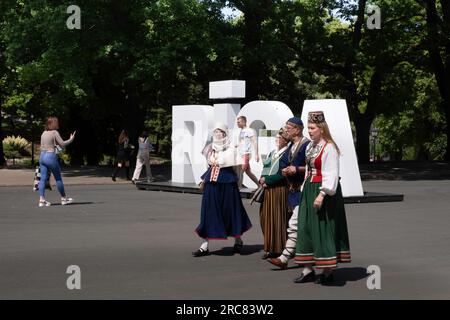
x=294 y=171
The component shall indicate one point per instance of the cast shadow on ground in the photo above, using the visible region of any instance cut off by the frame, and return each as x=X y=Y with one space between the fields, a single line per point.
x=160 y=171
x=343 y=275
x=76 y=203
x=246 y=250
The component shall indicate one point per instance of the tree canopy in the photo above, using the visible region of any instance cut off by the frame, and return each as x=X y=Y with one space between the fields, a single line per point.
x=132 y=60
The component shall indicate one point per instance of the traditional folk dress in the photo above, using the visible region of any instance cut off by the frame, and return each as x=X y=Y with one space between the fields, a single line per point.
x=273 y=211
x=294 y=156
x=222 y=213
x=322 y=238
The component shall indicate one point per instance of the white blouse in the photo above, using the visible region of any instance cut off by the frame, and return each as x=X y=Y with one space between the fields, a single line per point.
x=330 y=168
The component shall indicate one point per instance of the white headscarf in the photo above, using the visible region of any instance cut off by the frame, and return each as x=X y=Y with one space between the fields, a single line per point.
x=220 y=144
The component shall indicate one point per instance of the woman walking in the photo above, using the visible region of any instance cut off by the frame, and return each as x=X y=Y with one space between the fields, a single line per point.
x=322 y=239
x=123 y=155
x=274 y=211
x=48 y=160
x=222 y=213
x=143 y=157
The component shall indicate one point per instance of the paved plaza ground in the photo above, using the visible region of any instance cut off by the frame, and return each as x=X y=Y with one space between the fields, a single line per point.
x=132 y=244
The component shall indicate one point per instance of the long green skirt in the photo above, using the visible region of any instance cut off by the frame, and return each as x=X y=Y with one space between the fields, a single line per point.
x=322 y=235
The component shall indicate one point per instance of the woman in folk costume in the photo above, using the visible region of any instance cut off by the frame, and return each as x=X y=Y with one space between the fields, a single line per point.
x=322 y=239
x=222 y=212
x=273 y=211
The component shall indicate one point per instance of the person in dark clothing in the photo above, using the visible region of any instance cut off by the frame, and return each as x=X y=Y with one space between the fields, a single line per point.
x=294 y=172
x=124 y=150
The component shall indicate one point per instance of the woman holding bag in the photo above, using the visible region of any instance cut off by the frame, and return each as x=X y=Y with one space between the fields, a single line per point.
x=222 y=213
x=48 y=160
x=273 y=211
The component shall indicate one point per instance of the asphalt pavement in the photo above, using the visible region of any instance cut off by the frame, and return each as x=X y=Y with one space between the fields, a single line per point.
x=132 y=244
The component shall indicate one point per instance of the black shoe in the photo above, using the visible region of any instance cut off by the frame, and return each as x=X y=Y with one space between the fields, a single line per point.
x=113 y=178
x=310 y=277
x=200 y=253
x=270 y=255
x=324 y=280
x=237 y=248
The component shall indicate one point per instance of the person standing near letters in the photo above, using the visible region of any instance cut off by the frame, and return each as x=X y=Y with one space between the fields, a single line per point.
x=143 y=158
x=322 y=239
x=247 y=140
x=273 y=210
x=294 y=171
x=222 y=212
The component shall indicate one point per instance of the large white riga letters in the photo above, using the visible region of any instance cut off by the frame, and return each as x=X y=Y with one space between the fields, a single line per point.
x=192 y=126
x=336 y=115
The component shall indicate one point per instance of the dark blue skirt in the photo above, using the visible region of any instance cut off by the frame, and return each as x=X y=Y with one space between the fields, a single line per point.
x=223 y=214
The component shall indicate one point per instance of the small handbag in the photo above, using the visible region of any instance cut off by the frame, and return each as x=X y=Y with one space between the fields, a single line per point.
x=201 y=186
x=58 y=148
x=258 y=196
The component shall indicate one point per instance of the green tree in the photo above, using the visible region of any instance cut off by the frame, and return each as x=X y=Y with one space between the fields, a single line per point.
x=438 y=46
x=353 y=60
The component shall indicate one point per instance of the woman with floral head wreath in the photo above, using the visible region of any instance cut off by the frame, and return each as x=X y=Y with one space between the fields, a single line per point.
x=222 y=213
x=322 y=239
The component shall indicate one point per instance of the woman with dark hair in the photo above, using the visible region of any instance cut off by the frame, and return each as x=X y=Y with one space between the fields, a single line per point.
x=123 y=155
x=322 y=239
x=222 y=214
x=48 y=160
x=274 y=211
x=143 y=157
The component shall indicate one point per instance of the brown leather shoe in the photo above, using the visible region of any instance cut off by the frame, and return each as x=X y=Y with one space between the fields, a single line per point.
x=277 y=262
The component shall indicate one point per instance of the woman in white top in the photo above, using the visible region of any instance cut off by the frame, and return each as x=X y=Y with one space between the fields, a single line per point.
x=222 y=213
x=143 y=157
x=322 y=238
x=48 y=160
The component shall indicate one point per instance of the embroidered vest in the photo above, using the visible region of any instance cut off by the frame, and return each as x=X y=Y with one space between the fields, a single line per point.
x=314 y=162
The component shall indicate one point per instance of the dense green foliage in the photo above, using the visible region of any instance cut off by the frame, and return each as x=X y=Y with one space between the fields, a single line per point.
x=132 y=60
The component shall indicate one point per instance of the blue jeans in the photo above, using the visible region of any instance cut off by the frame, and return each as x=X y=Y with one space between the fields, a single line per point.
x=49 y=161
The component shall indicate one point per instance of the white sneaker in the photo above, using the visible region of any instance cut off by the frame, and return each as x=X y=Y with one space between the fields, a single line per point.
x=66 y=200
x=44 y=204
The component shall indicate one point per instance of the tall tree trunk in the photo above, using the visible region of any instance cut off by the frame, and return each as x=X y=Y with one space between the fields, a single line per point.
x=2 y=154
x=362 y=125
x=253 y=71
x=440 y=66
x=363 y=121
x=360 y=121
